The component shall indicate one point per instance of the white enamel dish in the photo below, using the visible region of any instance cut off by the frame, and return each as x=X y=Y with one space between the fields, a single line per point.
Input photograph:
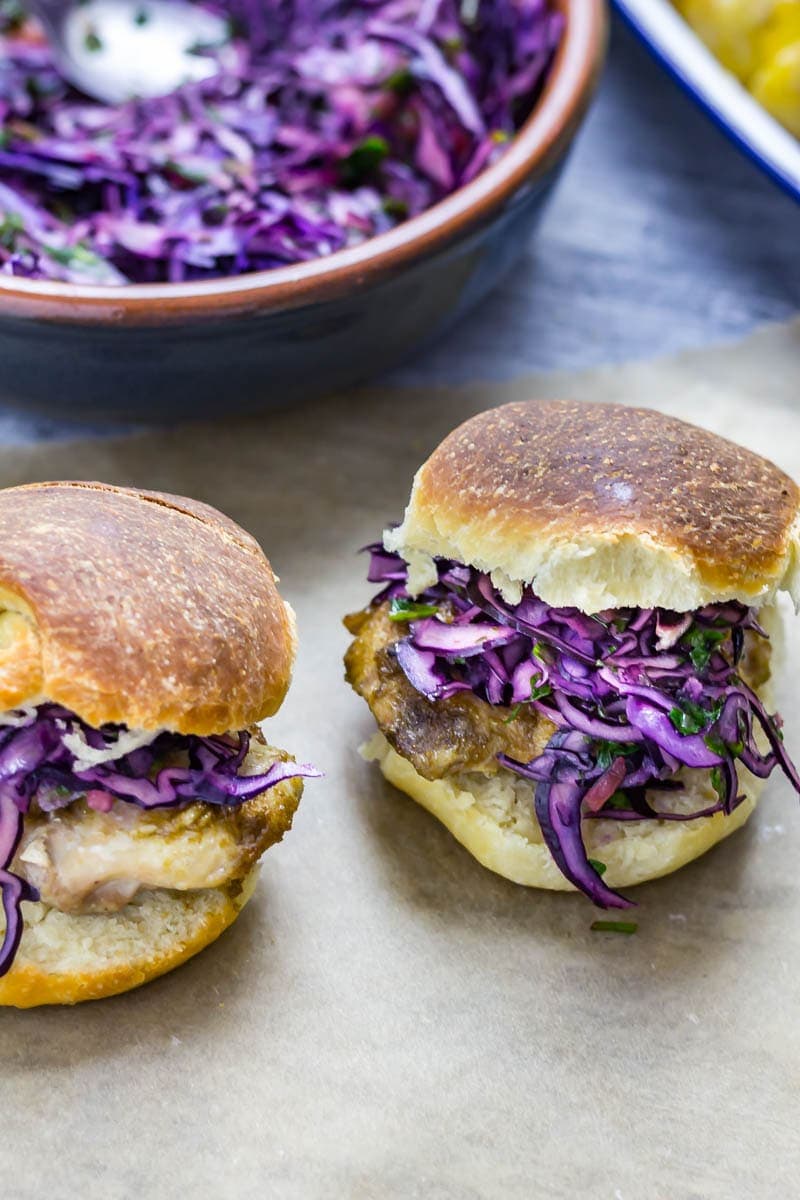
x=677 y=47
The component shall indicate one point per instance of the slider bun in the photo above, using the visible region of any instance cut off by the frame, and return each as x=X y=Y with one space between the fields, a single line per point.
x=138 y=608
x=492 y=817
x=604 y=506
x=64 y=959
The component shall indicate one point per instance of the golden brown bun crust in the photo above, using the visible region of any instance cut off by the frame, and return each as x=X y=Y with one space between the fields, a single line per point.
x=138 y=608
x=615 y=505
x=148 y=938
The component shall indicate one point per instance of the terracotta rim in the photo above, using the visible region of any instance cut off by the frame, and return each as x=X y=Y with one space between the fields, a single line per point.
x=540 y=142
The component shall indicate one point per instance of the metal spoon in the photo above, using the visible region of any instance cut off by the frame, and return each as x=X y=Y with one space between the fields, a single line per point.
x=116 y=50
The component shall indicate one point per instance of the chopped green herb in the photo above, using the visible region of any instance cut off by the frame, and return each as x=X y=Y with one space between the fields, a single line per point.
x=717 y=782
x=67 y=255
x=702 y=643
x=208 y=47
x=215 y=214
x=614 y=927
x=185 y=172
x=540 y=651
x=141 y=16
x=12 y=15
x=538 y=691
x=617 y=800
x=92 y=42
x=600 y=867
x=400 y=81
x=402 y=609
x=10 y=226
x=693 y=718
x=500 y=137
x=363 y=161
x=715 y=744
x=395 y=208
x=686 y=722
x=606 y=752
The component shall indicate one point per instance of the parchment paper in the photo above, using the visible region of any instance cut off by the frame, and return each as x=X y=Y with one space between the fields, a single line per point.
x=388 y=1020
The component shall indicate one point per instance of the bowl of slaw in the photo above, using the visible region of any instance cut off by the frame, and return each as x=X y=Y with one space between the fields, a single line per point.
x=155 y=263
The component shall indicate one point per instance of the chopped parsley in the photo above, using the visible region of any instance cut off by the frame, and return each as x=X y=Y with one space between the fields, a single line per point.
x=400 y=81
x=401 y=609
x=606 y=752
x=702 y=643
x=688 y=717
x=716 y=744
x=618 y=800
x=627 y=927
x=394 y=207
x=69 y=255
x=363 y=161
x=10 y=226
x=538 y=691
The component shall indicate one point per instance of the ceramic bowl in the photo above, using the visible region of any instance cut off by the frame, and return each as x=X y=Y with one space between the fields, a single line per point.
x=172 y=351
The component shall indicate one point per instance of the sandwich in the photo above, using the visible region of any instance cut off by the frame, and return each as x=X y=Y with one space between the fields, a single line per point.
x=569 y=656
x=142 y=640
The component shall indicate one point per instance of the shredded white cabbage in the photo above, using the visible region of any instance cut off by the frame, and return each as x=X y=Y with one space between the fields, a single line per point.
x=18 y=717
x=126 y=742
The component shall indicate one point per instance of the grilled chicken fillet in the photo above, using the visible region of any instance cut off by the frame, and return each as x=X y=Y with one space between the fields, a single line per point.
x=439 y=737
x=82 y=861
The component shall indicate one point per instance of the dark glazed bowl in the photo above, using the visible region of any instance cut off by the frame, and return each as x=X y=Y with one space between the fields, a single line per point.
x=273 y=337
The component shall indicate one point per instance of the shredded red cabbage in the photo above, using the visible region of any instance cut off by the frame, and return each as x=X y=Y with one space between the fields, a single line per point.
x=38 y=763
x=331 y=121
x=635 y=693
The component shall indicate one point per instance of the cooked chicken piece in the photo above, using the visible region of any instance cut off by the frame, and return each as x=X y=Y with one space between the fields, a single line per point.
x=755 y=663
x=81 y=860
x=441 y=737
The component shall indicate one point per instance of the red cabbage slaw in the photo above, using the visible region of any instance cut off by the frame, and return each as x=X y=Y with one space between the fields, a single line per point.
x=39 y=762
x=331 y=121
x=636 y=694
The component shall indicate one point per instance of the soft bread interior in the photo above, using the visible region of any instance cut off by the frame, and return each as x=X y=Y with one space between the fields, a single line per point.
x=591 y=571
x=493 y=818
x=64 y=959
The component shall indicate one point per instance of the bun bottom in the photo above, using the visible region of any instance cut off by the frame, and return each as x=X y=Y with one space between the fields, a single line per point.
x=493 y=818
x=64 y=959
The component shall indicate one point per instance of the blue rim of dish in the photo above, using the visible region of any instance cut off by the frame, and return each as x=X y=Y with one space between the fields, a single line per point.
x=641 y=16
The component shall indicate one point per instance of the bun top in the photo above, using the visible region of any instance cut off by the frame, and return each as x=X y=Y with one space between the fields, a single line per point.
x=138 y=608
x=603 y=506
